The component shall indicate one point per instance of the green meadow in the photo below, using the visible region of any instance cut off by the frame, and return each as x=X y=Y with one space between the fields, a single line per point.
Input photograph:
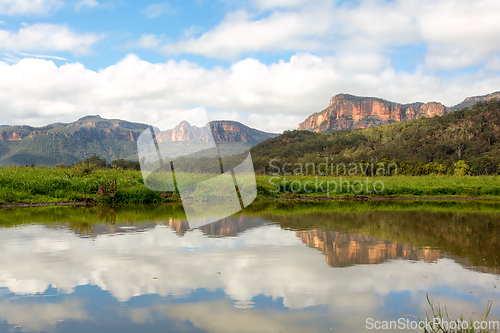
x=80 y=183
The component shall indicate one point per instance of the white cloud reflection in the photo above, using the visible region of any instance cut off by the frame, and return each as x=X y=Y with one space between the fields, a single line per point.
x=264 y=261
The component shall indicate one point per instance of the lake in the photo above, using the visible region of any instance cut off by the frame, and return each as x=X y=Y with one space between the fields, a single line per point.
x=275 y=267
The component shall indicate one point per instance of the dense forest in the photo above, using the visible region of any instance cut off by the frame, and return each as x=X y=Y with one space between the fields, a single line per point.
x=418 y=147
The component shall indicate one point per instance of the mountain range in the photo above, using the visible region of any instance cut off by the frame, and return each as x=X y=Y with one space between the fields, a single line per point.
x=111 y=139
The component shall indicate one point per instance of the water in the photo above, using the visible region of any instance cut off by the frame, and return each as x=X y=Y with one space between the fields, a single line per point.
x=274 y=268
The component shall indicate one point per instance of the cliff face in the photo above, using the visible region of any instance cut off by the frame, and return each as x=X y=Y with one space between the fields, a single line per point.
x=223 y=131
x=347 y=112
x=11 y=136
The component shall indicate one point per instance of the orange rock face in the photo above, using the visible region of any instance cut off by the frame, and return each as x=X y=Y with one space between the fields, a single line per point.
x=10 y=136
x=221 y=131
x=347 y=112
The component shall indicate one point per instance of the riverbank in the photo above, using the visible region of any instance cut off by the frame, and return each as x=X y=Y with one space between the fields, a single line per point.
x=43 y=185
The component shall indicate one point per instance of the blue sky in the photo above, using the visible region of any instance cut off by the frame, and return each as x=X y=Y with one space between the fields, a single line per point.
x=267 y=63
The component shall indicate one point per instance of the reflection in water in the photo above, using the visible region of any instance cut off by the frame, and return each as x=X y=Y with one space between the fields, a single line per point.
x=344 y=249
x=258 y=273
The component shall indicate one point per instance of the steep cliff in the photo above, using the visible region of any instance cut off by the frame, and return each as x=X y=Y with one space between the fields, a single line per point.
x=347 y=112
x=223 y=131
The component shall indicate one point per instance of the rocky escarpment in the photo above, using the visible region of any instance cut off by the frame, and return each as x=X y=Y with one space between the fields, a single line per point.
x=470 y=101
x=221 y=131
x=11 y=136
x=347 y=112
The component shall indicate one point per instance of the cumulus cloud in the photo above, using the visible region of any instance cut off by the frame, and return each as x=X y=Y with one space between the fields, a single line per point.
x=456 y=33
x=270 y=97
x=47 y=37
x=238 y=34
x=29 y=7
x=147 y=41
x=86 y=3
x=158 y=9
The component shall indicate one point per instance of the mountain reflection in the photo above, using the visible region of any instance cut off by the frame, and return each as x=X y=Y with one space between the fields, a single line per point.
x=344 y=249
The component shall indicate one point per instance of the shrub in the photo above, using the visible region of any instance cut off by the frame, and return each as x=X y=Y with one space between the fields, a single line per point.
x=80 y=170
x=462 y=169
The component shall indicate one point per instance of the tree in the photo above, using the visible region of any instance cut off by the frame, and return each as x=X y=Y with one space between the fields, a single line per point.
x=97 y=161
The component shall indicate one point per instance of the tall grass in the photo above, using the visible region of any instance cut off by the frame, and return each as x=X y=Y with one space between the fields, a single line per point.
x=87 y=184
x=45 y=184
x=440 y=321
x=406 y=186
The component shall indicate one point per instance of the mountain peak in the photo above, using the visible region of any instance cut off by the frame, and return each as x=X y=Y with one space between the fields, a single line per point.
x=470 y=101
x=90 y=117
x=184 y=124
x=352 y=98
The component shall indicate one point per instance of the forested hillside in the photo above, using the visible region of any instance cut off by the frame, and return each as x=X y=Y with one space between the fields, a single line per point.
x=421 y=146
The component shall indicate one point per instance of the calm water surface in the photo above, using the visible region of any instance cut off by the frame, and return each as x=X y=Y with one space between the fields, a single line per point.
x=274 y=268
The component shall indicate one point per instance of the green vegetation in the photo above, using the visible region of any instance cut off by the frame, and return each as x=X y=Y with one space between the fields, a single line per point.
x=86 y=183
x=79 y=183
x=70 y=143
x=111 y=140
x=419 y=147
x=397 y=186
x=440 y=321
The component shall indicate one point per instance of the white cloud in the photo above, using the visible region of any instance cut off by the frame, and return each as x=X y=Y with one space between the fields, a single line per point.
x=24 y=54
x=158 y=9
x=147 y=41
x=457 y=33
x=268 y=97
x=38 y=317
x=47 y=37
x=273 y=4
x=86 y=3
x=238 y=34
x=29 y=7
x=460 y=33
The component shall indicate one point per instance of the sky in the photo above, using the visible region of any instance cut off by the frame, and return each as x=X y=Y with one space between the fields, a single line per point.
x=266 y=63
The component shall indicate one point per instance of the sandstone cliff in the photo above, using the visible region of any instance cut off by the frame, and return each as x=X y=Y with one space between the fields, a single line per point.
x=347 y=112
x=223 y=131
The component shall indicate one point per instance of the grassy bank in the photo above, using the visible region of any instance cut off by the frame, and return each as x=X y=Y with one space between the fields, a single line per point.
x=398 y=186
x=52 y=185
